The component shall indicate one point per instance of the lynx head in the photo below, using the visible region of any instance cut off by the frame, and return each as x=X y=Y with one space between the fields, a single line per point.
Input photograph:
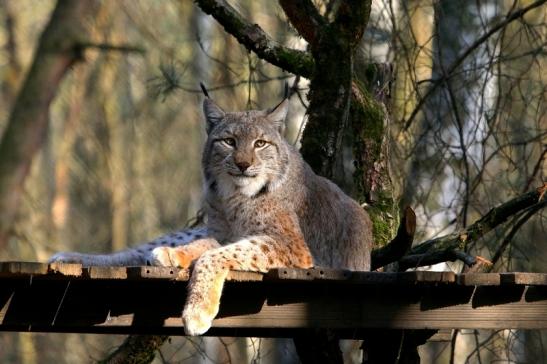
x=245 y=151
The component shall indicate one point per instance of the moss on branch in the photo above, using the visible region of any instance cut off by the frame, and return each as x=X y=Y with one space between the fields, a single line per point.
x=368 y=119
x=253 y=37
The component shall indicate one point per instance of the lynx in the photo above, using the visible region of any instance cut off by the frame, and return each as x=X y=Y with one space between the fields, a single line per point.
x=266 y=209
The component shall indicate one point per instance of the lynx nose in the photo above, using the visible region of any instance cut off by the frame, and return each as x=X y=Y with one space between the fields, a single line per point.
x=243 y=165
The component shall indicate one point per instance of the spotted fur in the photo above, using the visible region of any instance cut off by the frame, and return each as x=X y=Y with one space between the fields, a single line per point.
x=266 y=209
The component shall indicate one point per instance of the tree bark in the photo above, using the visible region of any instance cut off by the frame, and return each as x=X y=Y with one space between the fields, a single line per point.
x=136 y=349
x=25 y=133
x=333 y=50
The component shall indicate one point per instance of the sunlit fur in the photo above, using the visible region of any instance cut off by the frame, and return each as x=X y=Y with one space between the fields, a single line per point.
x=274 y=212
x=219 y=159
x=265 y=208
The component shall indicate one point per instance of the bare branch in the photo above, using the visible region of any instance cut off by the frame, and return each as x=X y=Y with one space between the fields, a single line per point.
x=421 y=260
x=492 y=219
x=507 y=240
x=508 y=19
x=124 y=48
x=255 y=39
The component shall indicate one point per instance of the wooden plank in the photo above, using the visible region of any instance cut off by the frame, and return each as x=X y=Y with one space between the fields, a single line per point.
x=496 y=279
x=241 y=276
x=292 y=274
x=183 y=274
x=529 y=279
x=428 y=277
x=93 y=303
x=65 y=269
x=327 y=274
x=479 y=279
x=386 y=309
x=105 y=272
x=284 y=302
x=150 y=272
x=22 y=269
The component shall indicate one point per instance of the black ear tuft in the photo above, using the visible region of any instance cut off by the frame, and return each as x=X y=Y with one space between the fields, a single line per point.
x=213 y=113
x=204 y=89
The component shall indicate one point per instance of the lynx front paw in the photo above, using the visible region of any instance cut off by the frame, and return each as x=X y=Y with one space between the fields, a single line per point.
x=196 y=322
x=170 y=257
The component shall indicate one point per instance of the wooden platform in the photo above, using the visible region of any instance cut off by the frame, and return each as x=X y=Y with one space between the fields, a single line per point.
x=282 y=303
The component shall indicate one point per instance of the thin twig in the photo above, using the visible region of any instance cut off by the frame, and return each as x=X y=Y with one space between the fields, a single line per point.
x=518 y=224
x=124 y=48
x=508 y=19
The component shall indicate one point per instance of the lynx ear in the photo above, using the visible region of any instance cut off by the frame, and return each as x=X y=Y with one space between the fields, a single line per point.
x=278 y=115
x=213 y=113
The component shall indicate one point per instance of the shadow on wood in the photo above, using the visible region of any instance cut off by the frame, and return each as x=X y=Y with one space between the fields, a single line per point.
x=282 y=303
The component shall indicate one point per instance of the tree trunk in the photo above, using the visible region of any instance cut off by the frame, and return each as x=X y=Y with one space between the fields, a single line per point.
x=57 y=51
x=13 y=68
x=414 y=35
x=118 y=109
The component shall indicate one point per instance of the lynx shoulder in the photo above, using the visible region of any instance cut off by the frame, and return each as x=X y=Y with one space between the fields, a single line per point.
x=266 y=209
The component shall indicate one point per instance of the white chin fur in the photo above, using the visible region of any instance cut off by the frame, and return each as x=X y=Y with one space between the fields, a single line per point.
x=249 y=186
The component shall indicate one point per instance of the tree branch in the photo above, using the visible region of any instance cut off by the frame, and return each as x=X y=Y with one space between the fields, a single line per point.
x=451 y=247
x=255 y=39
x=304 y=16
x=488 y=222
x=509 y=237
x=420 y=260
x=124 y=48
x=400 y=245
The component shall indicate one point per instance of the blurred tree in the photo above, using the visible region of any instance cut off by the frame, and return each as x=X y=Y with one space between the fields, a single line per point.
x=59 y=48
x=14 y=69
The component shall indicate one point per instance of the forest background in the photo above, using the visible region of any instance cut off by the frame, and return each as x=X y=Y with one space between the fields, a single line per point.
x=121 y=160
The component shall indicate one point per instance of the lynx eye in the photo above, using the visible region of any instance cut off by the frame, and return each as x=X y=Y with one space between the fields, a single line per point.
x=229 y=141
x=260 y=143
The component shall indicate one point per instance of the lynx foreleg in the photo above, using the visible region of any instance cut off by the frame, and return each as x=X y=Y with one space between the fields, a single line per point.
x=182 y=256
x=254 y=253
